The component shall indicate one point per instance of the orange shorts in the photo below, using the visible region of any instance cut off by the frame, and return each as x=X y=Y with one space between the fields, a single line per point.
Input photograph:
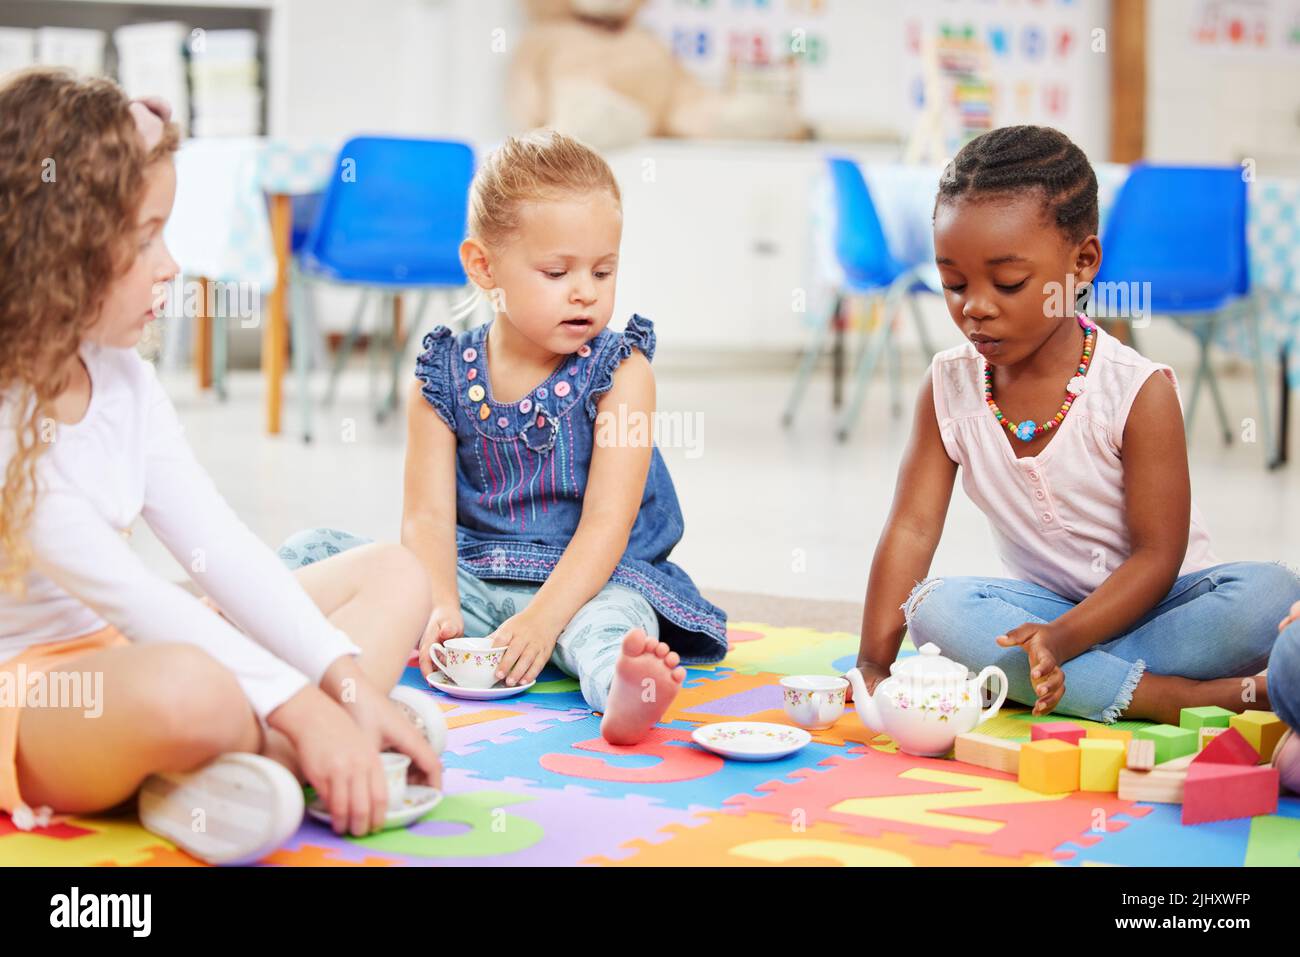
x=38 y=658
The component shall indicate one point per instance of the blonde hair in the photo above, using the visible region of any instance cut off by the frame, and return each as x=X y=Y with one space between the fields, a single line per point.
x=72 y=175
x=541 y=165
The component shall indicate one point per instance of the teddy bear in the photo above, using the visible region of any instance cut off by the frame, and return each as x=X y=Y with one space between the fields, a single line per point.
x=586 y=69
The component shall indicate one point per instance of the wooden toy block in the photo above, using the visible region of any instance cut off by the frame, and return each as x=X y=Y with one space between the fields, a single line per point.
x=1230 y=747
x=1141 y=754
x=1100 y=762
x=1110 y=734
x=1210 y=716
x=1170 y=742
x=985 y=751
x=1219 y=792
x=1161 y=785
x=1157 y=787
x=1177 y=764
x=1263 y=729
x=1049 y=767
x=1066 y=731
x=1204 y=735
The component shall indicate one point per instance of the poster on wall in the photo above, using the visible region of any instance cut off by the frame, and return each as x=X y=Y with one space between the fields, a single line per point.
x=759 y=46
x=1006 y=62
x=860 y=68
x=1247 y=27
x=714 y=36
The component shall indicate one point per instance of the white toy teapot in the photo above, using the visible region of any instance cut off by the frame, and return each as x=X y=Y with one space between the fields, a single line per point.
x=926 y=701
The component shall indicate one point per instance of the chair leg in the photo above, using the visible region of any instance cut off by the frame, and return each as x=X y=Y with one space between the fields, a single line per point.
x=808 y=364
x=895 y=357
x=372 y=355
x=1189 y=413
x=220 y=358
x=1211 y=380
x=399 y=349
x=880 y=339
x=300 y=346
x=1265 y=433
x=922 y=333
x=345 y=350
x=838 y=330
x=1284 y=406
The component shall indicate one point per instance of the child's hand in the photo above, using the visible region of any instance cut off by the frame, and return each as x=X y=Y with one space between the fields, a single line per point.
x=380 y=718
x=872 y=675
x=1292 y=617
x=1045 y=673
x=529 y=645
x=444 y=624
x=337 y=758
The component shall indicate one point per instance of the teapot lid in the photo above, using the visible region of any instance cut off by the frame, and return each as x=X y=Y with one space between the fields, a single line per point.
x=928 y=663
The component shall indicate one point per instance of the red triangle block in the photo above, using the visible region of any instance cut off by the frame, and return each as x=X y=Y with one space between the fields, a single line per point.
x=1230 y=747
x=1219 y=792
x=1066 y=731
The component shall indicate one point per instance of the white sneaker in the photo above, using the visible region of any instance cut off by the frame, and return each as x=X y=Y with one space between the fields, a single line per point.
x=422 y=708
x=235 y=809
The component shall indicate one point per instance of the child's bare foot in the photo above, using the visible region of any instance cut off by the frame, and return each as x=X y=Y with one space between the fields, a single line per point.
x=1163 y=697
x=646 y=680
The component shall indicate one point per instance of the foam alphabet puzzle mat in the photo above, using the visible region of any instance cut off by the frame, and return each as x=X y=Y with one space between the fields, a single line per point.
x=530 y=781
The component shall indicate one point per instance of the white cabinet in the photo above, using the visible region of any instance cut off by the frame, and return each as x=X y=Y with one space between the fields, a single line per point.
x=718 y=240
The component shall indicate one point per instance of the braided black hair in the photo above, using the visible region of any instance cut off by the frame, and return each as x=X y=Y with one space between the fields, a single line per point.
x=1015 y=159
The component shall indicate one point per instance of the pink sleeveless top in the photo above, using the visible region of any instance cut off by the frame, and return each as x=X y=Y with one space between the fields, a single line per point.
x=1057 y=517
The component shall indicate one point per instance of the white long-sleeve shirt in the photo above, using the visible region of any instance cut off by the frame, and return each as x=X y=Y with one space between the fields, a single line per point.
x=128 y=457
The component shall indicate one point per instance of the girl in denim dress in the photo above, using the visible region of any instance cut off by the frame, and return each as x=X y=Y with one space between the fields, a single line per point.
x=534 y=494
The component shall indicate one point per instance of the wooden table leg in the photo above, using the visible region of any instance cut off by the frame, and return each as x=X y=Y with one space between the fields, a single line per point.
x=203 y=338
x=275 y=336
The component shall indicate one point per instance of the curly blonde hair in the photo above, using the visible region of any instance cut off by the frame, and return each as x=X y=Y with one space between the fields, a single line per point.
x=72 y=176
x=540 y=165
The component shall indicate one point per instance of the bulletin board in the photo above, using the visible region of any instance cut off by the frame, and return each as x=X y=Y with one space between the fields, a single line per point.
x=1044 y=63
x=860 y=60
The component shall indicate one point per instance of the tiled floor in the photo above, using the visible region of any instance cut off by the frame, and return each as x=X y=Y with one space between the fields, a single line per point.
x=770 y=511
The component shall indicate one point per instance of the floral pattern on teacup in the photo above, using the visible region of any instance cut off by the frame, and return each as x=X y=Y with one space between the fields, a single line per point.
x=799 y=696
x=479 y=659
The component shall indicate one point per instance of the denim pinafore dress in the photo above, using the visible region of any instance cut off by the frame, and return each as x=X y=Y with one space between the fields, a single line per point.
x=521 y=472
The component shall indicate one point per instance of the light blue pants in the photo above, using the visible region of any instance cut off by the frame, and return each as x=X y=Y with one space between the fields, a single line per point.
x=1217 y=623
x=1284 y=676
x=588 y=647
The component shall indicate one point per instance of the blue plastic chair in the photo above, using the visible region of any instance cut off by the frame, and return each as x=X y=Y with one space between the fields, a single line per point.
x=392 y=219
x=870 y=271
x=1183 y=231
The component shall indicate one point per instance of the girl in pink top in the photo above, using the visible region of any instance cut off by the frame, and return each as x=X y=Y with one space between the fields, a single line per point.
x=1072 y=444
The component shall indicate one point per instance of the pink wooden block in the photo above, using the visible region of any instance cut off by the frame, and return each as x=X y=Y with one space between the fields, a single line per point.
x=1219 y=792
x=1230 y=747
x=1066 y=731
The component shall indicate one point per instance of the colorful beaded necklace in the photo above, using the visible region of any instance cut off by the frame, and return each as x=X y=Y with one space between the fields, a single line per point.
x=1028 y=430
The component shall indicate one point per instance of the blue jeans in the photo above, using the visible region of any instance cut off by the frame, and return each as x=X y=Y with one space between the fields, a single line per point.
x=1216 y=623
x=587 y=648
x=1284 y=676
